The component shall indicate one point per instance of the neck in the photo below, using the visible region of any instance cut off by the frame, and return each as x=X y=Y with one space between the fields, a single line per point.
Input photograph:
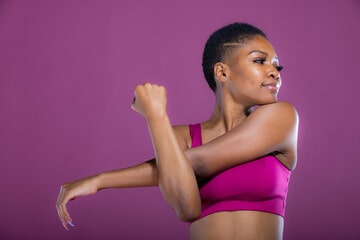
x=227 y=114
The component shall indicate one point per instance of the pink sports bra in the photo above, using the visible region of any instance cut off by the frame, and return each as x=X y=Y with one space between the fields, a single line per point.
x=258 y=185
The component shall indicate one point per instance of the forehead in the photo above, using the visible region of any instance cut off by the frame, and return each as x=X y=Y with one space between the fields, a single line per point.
x=257 y=44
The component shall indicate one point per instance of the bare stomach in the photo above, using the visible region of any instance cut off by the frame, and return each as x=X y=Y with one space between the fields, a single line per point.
x=238 y=225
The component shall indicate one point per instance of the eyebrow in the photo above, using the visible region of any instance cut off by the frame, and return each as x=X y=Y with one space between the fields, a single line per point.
x=262 y=52
x=258 y=51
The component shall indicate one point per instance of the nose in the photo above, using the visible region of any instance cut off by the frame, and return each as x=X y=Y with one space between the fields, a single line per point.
x=273 y=73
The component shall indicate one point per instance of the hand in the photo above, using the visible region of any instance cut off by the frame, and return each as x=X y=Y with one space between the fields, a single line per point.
x=70 y=191
x=149 y=100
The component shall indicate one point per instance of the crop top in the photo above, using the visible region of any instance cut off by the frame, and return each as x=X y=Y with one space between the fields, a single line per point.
x=257 y=185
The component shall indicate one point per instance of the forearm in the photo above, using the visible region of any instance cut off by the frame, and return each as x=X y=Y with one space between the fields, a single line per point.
x=272 y=128
x=177 y=179
x=141 y=175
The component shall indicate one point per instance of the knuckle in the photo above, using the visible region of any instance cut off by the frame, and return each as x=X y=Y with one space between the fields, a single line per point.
x=138 y=87
x=64 y=188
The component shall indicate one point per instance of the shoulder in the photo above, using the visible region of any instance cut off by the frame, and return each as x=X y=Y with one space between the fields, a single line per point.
x=277 y=106
x=280 y=117
x=183 y=135
x=278 y=111
x=281 y=121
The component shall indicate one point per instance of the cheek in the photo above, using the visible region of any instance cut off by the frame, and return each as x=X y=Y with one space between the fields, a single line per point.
x=257 y=75
x=248 y=75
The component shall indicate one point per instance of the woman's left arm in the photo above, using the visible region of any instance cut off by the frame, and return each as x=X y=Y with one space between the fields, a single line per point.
x=271 y=128
x=177 y=180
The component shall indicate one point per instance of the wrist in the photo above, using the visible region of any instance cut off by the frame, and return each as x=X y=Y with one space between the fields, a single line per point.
x=156 y=117
x=98 y=181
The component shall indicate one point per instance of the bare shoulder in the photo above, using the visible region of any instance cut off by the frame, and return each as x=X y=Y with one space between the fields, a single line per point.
x=183 y=135
x=280 y=122
x=278 y=106
x=282 y=111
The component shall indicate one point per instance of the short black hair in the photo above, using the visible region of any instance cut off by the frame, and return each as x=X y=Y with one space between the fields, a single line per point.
x=219 y=45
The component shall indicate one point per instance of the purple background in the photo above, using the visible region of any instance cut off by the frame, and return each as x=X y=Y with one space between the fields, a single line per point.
x=67 y=74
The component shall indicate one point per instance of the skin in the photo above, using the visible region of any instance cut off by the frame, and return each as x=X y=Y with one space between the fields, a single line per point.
x=246 y=78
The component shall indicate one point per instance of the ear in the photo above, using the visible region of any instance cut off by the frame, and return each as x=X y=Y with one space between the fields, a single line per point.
x=221 y=71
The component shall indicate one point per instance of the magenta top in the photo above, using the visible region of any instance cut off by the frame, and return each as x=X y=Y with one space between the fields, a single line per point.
x=258 y=185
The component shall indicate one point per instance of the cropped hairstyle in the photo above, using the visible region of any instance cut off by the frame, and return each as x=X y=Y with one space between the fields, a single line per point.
x=221 y=43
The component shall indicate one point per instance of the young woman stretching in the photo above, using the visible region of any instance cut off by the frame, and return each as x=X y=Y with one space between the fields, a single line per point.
x=228 y=176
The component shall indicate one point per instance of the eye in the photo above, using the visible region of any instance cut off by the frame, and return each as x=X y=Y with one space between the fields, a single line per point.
x=260 y=61
x=279 y=68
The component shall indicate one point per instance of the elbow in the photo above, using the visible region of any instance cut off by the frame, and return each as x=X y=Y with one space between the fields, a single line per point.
x=189 y=214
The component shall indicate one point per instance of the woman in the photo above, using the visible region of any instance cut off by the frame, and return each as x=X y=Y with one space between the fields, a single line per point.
x=229 y=175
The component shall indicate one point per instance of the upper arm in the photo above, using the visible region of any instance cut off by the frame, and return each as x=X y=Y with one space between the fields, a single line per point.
x=270 y=128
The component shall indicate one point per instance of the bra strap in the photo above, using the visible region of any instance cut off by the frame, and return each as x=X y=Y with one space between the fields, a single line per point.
x=195 y=133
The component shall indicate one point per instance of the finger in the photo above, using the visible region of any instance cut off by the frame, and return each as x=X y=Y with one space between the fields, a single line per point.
x=63 y=213
x=62 y=218
x=61 y=203
x=70 y=224
x=65 y=220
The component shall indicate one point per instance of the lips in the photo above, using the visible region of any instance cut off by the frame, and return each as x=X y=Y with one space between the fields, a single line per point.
x=271 y=86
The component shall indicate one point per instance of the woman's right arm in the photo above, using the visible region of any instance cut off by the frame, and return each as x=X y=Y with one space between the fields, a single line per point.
x=141 y=175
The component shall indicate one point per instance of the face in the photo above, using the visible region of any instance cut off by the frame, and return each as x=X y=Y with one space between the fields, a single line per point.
x=251 y=74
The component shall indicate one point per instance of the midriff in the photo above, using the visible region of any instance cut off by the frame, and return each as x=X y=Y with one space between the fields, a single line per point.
x=238 y=225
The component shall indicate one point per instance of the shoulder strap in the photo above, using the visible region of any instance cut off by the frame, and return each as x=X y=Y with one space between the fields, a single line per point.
x=195 y=133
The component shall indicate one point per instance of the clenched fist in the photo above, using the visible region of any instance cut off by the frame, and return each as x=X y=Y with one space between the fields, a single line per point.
x=149 y=100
